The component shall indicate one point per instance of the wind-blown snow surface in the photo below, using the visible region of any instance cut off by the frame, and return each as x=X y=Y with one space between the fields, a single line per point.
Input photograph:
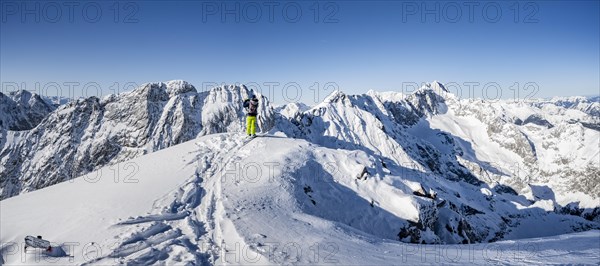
x=212 y=200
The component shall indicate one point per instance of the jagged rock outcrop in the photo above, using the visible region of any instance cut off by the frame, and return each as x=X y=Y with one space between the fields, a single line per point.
x=22 y=110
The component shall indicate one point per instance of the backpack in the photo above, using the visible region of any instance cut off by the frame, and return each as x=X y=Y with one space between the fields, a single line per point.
x=252 y=107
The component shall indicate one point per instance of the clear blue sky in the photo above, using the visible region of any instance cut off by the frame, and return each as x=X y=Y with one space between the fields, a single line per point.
x=383 y=45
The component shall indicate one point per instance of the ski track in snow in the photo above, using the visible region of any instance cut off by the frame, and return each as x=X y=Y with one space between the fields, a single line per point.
x=217 y=216
x=179 y=222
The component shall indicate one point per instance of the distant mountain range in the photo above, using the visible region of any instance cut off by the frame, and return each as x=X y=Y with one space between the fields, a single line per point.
x=439 y=169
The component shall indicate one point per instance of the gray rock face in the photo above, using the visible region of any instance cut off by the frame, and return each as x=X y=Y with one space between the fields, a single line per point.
x=86 y=134
x=537 y=120
x=22 y=110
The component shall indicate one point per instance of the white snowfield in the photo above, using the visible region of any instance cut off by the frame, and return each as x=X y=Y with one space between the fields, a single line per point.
x=221 y=199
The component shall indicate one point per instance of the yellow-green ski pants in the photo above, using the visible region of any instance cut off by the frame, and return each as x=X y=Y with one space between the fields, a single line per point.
x=250 y=125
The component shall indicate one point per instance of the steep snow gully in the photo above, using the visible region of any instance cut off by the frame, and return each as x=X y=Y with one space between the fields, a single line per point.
x=374 y=179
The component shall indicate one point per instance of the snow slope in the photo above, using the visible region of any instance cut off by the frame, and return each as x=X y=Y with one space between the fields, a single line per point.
x=213 y=200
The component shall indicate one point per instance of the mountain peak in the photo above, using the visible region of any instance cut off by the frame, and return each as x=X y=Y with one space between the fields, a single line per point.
x=335 y=96
x=24 y=97
x=20 y=94
x=164 y=90
x=436 y=87
x=175 y=87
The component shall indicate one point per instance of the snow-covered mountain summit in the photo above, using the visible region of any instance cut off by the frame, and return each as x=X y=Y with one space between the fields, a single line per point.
x=425 y=167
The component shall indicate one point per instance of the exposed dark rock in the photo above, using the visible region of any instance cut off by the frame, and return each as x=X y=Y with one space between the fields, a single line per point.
x=363 y=174
x=538 y=120
x=505 y=189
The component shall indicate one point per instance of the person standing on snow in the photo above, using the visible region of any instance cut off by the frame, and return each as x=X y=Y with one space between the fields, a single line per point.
x=251 y=106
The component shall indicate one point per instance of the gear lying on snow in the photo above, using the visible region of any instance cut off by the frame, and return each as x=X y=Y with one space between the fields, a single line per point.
x=37 y=242
x=32 y=242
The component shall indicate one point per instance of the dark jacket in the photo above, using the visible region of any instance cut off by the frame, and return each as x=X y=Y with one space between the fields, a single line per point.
x=251 y=106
